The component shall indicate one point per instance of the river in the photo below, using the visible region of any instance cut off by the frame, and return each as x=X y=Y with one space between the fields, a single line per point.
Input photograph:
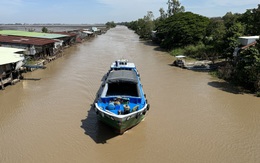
x=193 y=117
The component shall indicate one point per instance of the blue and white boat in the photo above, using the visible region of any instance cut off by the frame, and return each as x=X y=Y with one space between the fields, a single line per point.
x=121 y=103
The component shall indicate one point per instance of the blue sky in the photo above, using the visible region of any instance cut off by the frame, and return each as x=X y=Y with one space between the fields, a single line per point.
x=102 y=11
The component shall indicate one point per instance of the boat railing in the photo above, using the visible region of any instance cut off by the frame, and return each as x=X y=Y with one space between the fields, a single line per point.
x=122 y=115
x=135 y=100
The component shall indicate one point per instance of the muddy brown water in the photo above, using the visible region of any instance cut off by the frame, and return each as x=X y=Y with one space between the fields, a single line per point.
x=193 y=117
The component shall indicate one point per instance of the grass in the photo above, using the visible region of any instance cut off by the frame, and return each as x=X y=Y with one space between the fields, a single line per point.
x=192 y=52
x=31 y=62
x=178 y=51
x=214 y=74
x=258 y=94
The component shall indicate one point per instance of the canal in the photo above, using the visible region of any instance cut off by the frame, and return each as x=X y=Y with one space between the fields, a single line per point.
x=193 y=117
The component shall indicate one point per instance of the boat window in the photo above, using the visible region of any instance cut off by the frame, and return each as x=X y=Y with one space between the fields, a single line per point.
x=122 y=88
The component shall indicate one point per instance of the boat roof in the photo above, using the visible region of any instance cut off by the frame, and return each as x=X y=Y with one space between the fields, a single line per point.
x=122 y=76
x=180 y=56
x=249 y=37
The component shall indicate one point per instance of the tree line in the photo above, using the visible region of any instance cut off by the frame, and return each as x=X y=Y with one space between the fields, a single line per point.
x=200 y=37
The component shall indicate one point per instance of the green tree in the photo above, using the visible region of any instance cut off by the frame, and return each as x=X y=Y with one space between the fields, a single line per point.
x=230 y=19
x=215 y=33
x=182 y=29
x=140 y=27
x=247 y=70
x=251 y=19
x=163 y=14
x=231 y=39
x=111 y=24
x=44 y=30
x=145 y=26
x=174 y=7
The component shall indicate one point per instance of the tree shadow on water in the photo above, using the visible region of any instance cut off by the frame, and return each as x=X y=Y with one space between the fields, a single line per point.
x=95 y=129
x=227 y=87
x=155 y=45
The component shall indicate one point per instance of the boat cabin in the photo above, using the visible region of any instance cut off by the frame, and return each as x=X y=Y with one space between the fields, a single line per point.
x=122 y=89
x=120 y=83
x=122 y=64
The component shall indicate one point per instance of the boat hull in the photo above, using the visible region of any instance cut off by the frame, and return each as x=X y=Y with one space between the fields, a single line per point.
x=121 y=127
x=121 y=124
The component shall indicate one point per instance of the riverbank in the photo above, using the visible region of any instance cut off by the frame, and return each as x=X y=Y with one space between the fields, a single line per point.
x=38 y=49
x=42 y=62
x=220 y=69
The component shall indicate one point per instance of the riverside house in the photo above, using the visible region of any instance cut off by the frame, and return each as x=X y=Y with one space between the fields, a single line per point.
x=38 y=44
x=11 y=59
x=245 y=42
x=33 y=46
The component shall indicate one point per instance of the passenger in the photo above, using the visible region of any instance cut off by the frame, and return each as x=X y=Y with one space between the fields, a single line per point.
x=125 y=100
x=126 y=109
x=110 y=106
x=117 y=101
x=135 y=108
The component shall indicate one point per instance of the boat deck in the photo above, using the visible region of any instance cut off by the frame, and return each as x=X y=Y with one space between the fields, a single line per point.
x=119 y=105
x=120 y=110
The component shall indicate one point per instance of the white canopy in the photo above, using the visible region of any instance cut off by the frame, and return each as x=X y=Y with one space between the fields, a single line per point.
x=180 y=56
x=9 y=55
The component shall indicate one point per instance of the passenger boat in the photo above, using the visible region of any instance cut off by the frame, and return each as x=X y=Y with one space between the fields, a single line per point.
x=121 y=103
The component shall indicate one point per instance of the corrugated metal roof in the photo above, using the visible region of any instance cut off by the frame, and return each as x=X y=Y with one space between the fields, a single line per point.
x=26 y=40
x=31 y=34
x=248 y=45
x=65 y=33
x=9 y=55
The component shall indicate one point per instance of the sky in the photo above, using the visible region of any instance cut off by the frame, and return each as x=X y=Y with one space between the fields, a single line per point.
x=102 y=11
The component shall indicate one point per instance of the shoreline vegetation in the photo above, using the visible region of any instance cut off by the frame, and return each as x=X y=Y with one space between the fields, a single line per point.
x=218 y=39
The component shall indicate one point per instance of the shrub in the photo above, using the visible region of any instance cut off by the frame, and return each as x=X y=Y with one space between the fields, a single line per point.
x=177 y=51
x=258 y=94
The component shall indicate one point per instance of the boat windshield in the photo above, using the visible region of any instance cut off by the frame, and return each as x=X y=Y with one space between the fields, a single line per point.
x=122 y=89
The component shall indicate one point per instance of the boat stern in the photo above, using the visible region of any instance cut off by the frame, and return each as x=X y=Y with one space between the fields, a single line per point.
x=121 y=123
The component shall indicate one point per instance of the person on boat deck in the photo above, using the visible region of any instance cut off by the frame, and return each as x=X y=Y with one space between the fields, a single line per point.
x=116 y=101
x=126 y=109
